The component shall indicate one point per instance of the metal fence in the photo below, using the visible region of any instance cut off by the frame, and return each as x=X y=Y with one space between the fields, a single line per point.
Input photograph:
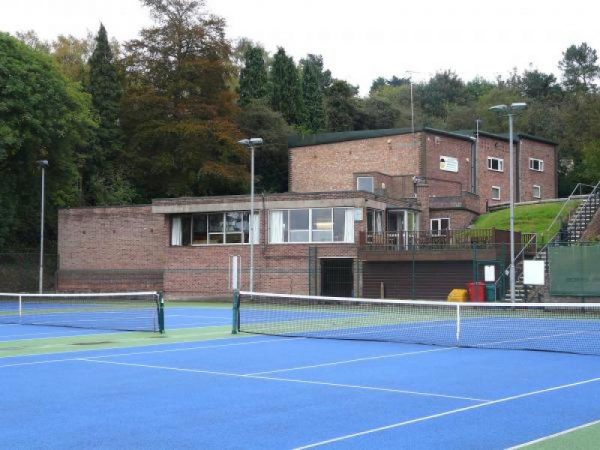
x=19 y=272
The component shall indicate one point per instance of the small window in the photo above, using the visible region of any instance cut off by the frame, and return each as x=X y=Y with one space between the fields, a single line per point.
x=495 y=192
x=536 y=164
x=496 y=164
x=440 y=227
x=365 y=184
x=537 y=191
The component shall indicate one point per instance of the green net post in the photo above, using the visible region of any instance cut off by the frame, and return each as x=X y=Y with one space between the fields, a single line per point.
x=235 y=324
x=161 y=313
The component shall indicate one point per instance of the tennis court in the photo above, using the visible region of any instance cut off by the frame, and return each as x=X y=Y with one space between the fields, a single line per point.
x=198 y=386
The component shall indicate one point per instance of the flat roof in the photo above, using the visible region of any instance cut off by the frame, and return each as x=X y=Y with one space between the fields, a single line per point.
x=343 y=136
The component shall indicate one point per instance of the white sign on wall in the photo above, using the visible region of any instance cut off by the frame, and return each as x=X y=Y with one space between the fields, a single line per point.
x=448 y=163
x=489 y=273
x=533 y=272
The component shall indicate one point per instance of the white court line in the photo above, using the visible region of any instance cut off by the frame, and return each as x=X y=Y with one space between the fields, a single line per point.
x=551 y=436
x=350 y=361
x=136 y=353
x=286 y=380
x=446 y=413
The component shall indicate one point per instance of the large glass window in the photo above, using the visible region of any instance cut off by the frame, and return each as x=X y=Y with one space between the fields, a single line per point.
x=374 y=221
x=213 y=228
x=311 y=225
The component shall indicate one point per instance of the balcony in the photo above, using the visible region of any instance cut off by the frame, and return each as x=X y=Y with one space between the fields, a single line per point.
x=454 y=245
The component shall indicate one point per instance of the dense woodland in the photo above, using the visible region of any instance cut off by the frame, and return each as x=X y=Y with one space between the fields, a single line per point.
x=159 y=116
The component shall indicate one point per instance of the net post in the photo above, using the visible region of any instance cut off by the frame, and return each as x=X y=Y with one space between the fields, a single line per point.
x=20 y=305
x=458 y=324
x=235 y=324
x=161 y=312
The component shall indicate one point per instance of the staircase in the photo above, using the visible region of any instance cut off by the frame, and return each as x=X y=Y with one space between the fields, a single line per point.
x=571 y=233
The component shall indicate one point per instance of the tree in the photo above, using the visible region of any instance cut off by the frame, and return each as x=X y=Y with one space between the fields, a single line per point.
x=72 y=54
x=538 y=85
x=285 y=92
x=441 y=90
x=340 y=106
x=178 y=112
x=253 y=76
x=271 y=158
x=314 y=81
x=579 y=68
x=43 y=115
x=103 y=180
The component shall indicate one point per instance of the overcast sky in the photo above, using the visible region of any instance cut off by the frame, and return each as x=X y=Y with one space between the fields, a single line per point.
x=359 y=39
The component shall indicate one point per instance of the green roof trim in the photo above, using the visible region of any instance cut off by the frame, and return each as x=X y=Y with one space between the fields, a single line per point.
x=343 y=136
x=504 y=136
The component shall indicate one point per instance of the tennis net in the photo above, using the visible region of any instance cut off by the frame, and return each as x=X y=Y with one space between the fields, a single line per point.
x=124 y=311
x=559 y=327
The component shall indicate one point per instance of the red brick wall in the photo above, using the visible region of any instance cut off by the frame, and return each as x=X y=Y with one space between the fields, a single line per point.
x=460 y=149
x=489 y=147
x=527 y=177
x=330 y=167
x=108 y=249
x=524 y=177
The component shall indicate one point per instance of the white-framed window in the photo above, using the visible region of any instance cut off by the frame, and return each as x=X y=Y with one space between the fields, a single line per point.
x=365 y=184
x=496 y=164
x=439 y=227
x=311 y=225
x=495 y=192
x=232 y=227
x=537 y=191
x=536 y=164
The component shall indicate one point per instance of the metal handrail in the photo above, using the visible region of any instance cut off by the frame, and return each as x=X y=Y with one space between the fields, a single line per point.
x=578 y=186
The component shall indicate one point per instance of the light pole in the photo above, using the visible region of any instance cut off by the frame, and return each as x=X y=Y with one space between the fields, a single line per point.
x=510 y=110
x=43 y=163
x=251 y=143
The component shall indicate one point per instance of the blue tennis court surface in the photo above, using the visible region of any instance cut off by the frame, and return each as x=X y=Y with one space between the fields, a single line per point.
x=262 y=392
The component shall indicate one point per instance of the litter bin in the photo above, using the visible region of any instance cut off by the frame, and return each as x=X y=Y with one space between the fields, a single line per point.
x=476 y=291
x=490 y=292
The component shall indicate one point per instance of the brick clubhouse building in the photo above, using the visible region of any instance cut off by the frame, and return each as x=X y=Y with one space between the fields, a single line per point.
x=360 y=206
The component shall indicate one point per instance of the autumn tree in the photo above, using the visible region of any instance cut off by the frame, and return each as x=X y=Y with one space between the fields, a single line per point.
x=178 y=113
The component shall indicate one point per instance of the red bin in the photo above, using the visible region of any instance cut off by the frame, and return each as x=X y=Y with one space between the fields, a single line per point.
x=476 y=291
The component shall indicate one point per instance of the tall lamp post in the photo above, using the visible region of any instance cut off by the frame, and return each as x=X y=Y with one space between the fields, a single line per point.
x=510 y=111
x=251 y=143
x=43 y=163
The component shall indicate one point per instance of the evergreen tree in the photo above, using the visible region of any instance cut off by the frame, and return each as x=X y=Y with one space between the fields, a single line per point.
x=341 y=106
x=313 y=81
x=253 y=76
x=285 y=88
x=103 y=182
x=580 y=68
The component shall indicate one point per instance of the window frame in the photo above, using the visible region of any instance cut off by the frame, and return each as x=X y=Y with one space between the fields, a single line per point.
x=539 y=189
x=440 y=230
x=287 y=232
x=499 y=189
x=540 y=164
x=500 y=162
x=212 y=237
x=366 y=178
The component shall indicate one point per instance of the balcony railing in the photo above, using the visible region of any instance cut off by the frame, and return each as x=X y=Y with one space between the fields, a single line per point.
x=427 y=239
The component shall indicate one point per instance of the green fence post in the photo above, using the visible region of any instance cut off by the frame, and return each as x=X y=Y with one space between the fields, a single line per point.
x=235 y=324
x=161 y=312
